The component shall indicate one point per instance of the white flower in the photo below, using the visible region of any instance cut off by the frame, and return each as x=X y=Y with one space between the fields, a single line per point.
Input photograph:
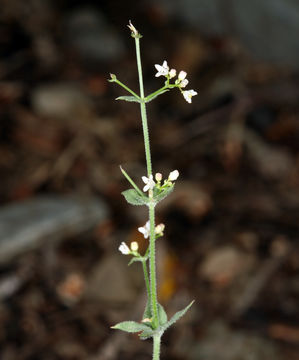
x=174 y=174
x=159 y=229
x=184 y=83
x=145 y=230
x=162 y=69
x=182 y=75
x=172 y=73
x=124 y=249
x=150 y=184
x=132 y=28
x=158 y=177
x=134 y=246
x=188 y=95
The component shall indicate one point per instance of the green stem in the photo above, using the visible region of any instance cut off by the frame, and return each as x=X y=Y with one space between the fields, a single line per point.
x=146 y=279
x=143 y=111
x=152 y=262
x=126 y=88
x=156 y=347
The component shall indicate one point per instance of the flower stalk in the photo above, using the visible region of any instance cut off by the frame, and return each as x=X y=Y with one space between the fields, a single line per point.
x=155 y=320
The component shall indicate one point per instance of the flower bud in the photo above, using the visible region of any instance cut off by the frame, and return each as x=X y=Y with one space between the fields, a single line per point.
x=173 y=175
x=158 y=177
x=134 y=246
x=172 y=73
x=182 y=75
x=159 y=229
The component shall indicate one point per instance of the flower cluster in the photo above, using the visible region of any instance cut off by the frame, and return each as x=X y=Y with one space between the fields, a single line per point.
x=145 y=230
x=132 y=250
x=150 y=183
x=181 y=82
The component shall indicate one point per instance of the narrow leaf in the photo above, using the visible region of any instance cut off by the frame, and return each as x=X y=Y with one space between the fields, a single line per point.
x=126 y=175
x=128 y=98
x=131 y=327
x=177 y=316
x=150 y=98
x=163 y=194
x=162 y=315
x=134 y=198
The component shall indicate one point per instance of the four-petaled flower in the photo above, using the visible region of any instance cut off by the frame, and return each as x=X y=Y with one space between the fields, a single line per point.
x=145 y=230
x=149 y=183
x=163 y=70
x=124 y=249
x=173 y=175
x=188 y=95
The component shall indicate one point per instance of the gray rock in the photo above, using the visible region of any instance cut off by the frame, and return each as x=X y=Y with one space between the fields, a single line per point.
x=88 y=33
x=222 y=343
x=29 y=224
x=59 y=100
x=267 y=28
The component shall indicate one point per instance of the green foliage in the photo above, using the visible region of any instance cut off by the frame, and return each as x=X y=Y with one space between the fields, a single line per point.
x=162 y=315
x=134 y=198
x=162 y=194
x=128 y=98
x=153 y=96
x=177 y=316
x=131 y=327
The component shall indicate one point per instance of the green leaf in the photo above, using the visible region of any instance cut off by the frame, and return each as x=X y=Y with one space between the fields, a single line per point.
x=162 y=195
x=177 y=316
x=131 y=327
x=128 y=98
x=134 y=198
x=146 y=334
x=162 y=315
x=148 y=98
x=147 y=311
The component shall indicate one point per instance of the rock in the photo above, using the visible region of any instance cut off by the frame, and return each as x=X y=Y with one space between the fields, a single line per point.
x=222 y=343
x=268 y=28
x=222 y=265
x=88 y=33
x=59 y=100
x=112 y=281
x=32 y=223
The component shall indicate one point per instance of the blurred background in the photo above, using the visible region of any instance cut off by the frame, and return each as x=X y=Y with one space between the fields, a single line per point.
x=231 y=238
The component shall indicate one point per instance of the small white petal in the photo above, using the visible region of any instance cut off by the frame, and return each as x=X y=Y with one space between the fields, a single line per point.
x=173 y=175
x=188 y=95
x=145 y=230
x=124 y=249
x=144 y=179
x=162 y=69
x=150 y=184
x=182 y=75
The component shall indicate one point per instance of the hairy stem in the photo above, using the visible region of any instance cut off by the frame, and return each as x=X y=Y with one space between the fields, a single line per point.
x=156 y=347
x=152 y=262
x=143 y=111
x=146 y=278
